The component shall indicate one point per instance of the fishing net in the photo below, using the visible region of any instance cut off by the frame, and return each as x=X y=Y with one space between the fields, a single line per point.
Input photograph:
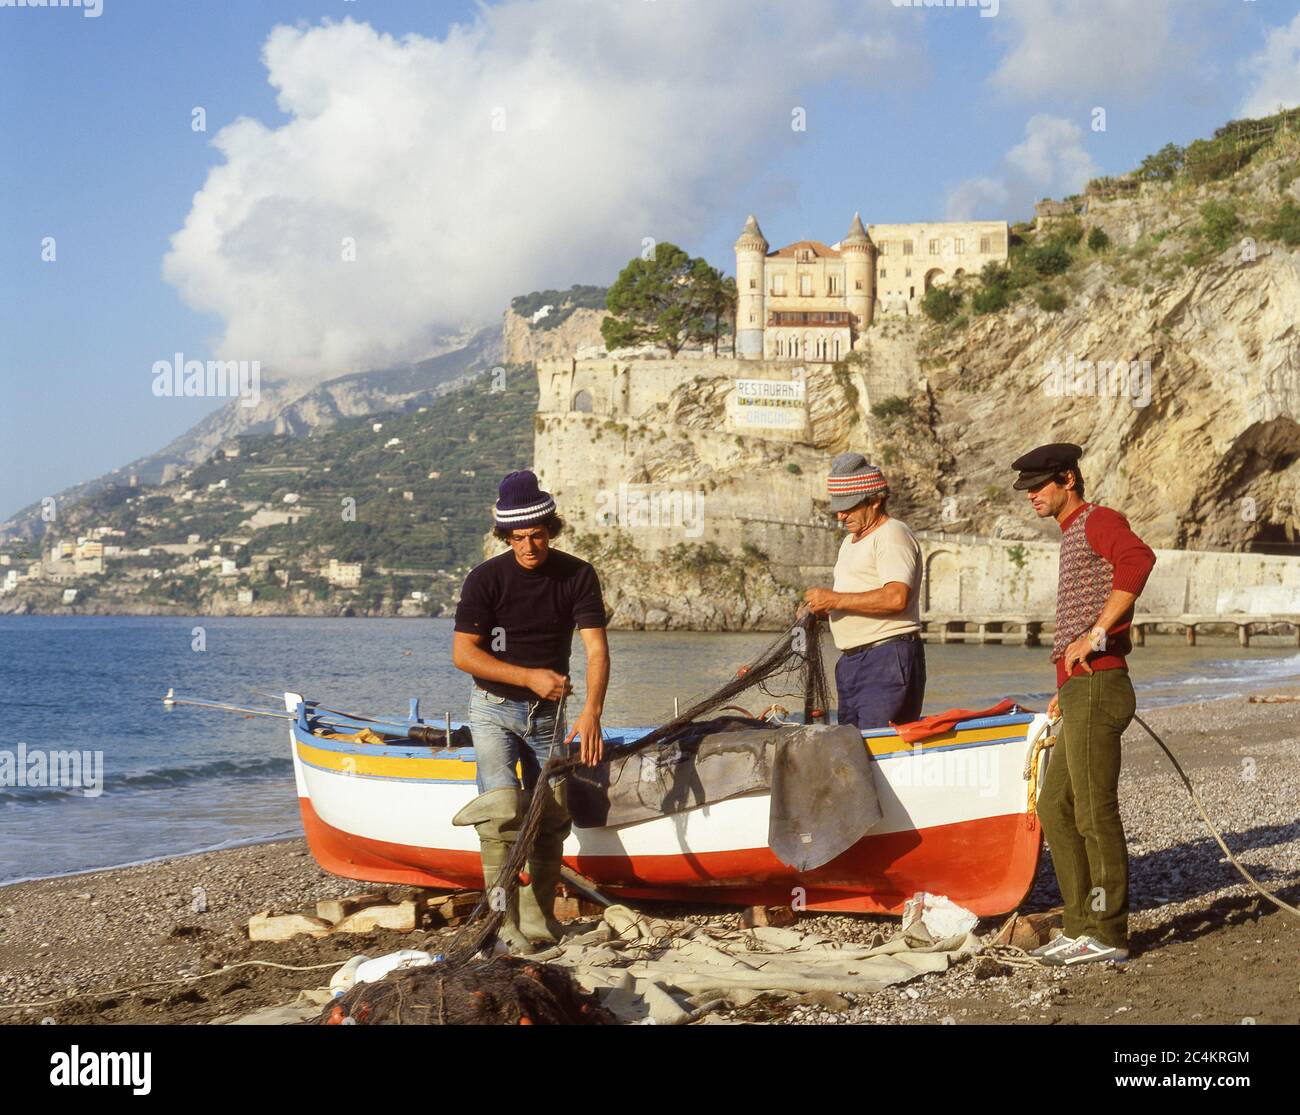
x=789 y=667
x=500 y=991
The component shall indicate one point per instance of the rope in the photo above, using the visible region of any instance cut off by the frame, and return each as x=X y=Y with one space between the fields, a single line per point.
x=1030 y=774
x=167 y=982
x=1187 y=782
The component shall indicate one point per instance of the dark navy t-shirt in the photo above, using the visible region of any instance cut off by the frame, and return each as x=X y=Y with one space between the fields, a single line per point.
x=527 y=616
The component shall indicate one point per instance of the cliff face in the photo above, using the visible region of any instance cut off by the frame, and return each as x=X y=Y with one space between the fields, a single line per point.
x=696 y=519
x=1196 y=442
x=523 y=342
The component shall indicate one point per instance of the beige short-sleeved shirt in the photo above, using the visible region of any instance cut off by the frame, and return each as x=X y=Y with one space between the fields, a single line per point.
x=889 y=553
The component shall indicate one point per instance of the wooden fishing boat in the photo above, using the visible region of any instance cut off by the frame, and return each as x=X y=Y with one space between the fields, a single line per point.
x=958 y=819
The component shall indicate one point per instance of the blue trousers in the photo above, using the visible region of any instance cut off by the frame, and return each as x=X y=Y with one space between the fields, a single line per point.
x=508 y=732
x=882 y=683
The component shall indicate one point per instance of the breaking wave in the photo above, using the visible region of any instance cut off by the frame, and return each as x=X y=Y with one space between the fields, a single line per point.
x=161 y=778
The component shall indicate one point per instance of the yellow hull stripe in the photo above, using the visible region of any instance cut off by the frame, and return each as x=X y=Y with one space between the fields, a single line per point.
x=458 y=770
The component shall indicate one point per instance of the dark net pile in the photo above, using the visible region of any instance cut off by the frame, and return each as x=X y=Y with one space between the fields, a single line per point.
x=790 y=667
x=501 y=991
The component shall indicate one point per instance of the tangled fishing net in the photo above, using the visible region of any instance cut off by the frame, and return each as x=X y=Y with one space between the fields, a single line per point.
x=500 y=991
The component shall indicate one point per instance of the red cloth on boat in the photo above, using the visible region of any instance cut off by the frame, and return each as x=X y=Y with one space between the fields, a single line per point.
x=941 y=722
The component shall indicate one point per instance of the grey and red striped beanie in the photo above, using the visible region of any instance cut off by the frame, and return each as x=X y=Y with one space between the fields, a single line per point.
x=852 y=480
x=521 y=503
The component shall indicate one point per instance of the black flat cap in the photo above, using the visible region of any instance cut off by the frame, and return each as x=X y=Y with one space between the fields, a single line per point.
x=1041 y=464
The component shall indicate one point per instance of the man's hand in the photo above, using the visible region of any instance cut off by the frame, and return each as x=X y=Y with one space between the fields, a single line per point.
x=549 y=685
x=593 y=743
x=1054 y=708
x=820 y=600
x=1077 y=654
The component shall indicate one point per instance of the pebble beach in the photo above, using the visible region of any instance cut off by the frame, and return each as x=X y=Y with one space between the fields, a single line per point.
x=1205 y=947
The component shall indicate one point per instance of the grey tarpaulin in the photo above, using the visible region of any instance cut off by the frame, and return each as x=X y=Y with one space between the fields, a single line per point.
x=820 y=778
x=823 y=795
x=647 y=969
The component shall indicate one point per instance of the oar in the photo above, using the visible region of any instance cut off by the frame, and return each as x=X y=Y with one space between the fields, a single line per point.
x=421 y=732
x=171 y=699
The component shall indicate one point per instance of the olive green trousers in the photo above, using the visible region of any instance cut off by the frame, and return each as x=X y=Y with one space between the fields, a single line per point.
x=1079 y=805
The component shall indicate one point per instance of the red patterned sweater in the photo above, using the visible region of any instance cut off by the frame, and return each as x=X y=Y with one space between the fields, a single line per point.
x=1099 y=552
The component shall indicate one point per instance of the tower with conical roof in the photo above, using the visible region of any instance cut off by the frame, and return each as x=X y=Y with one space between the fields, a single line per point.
x=751 y=253
x=859 y=274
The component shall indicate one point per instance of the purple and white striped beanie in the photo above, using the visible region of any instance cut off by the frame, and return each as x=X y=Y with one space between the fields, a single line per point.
x=521 y=503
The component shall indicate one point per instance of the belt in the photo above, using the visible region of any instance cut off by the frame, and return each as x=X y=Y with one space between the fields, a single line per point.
x=910 y=637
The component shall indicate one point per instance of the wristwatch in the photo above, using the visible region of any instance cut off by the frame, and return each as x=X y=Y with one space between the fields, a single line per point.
x=1097 y=638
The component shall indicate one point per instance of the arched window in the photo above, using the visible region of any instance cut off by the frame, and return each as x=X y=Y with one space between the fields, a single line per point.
x=837 y=348
x=780 y=347
x=582 y=402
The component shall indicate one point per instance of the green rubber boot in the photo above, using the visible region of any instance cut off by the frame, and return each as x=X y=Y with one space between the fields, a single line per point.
x=494 y=854
x=496 y=816
x=537 y=918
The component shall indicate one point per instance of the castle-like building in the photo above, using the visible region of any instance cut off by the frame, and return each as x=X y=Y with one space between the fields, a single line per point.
x=811 y=302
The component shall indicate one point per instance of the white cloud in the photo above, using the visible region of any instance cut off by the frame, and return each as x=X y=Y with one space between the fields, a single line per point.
x=1105 y=47
x=1052 y=154
x=621 y=121
x=976 y=199
x=1274 y=73
x=1050 y=161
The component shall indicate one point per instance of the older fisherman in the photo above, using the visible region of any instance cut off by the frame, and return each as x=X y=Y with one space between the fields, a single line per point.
x=513 y=636
x=874 y=608
x=1104 y=567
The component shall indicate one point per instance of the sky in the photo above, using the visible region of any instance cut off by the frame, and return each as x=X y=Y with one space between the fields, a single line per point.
x=333 y=186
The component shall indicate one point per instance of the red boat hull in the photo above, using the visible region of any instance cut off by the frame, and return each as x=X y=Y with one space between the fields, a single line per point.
x=968 y=862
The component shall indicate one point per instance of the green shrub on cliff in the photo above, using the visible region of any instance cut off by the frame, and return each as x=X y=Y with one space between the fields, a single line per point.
x=941 y=303
x=1285 y=226
x=1052 y=301
x=1219 y=223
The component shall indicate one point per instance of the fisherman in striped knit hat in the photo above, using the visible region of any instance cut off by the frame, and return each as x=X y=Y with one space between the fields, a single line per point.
x=513 y=635
x=874 y=608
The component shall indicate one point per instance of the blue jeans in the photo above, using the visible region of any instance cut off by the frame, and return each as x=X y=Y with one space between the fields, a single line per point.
x=881 y=683
x=508 y=732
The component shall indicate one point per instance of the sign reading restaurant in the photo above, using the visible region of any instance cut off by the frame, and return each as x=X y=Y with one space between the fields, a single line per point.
x=770 y=404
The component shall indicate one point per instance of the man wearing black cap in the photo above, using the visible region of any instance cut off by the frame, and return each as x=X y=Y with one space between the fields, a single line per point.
x=513 y=635
x=1103 y=568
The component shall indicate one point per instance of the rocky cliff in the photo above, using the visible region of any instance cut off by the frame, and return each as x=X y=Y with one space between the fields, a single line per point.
x=523 y=342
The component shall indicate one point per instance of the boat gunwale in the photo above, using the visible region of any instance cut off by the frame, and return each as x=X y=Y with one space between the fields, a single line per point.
x=946 y=741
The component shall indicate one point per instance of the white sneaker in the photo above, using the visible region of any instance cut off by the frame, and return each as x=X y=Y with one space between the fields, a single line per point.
x=1060 y=941
x=1084 y=950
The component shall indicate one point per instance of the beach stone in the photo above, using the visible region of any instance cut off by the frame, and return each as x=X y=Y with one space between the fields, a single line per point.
x=776 y=916
x=265 y=926
x=401 y=917
x=334 y=910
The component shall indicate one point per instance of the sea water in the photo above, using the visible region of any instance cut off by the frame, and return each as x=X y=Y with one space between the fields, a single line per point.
x=183 y=779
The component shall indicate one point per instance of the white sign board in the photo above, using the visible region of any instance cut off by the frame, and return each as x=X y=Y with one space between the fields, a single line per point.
x=769 y=404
